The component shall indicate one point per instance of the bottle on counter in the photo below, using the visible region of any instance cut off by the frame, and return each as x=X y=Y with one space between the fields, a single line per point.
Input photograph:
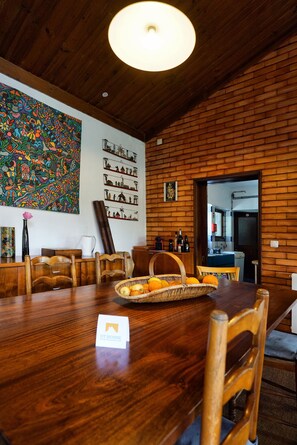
x=180 y=241
x=175 y=242
x=158 y=243
x=186 y=244
x=170 y=245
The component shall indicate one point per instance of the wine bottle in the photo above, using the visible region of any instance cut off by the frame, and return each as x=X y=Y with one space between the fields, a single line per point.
x=180 y=241
x=186 y=244
x=175 y=242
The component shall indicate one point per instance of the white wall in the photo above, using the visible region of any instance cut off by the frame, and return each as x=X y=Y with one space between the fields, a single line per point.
x=60 y=230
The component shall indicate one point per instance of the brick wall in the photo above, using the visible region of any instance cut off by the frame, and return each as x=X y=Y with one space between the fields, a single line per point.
x=250 y=125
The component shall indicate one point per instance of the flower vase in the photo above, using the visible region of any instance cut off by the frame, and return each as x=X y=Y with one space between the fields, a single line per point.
x=25 y=240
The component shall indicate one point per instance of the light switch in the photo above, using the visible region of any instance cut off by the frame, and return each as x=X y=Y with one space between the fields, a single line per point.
x=273 y=243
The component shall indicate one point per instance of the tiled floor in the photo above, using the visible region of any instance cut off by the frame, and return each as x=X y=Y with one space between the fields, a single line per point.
x=277 y=423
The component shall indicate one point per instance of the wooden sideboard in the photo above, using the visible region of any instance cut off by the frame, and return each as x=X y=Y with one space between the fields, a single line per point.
x=12 y=275
x=163 y=265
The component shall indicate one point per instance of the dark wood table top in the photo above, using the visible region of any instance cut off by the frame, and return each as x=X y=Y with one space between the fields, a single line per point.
x=56 y=387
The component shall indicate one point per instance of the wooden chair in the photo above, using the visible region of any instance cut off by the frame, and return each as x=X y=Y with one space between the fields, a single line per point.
x=211 y=428
x=129 y=264
x=45 y=273
x=110 y=267
x=281 y=353
x=232 y=273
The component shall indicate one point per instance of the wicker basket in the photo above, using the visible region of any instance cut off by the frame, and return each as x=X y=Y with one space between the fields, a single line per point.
x=179 y=292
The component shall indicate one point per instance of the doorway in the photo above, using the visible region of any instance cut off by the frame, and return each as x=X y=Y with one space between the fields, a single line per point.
x=241 y=228
x=246 y=240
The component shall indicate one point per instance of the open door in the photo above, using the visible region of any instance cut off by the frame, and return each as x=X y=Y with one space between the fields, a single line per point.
x=201 y=247
x=246 y=240
x=201 y=217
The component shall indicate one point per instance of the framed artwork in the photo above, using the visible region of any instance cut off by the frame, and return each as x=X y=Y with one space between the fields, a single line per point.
x=170 y=191
x=39 y=154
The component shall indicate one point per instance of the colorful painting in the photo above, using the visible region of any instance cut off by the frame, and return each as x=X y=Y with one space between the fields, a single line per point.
x=39 y=154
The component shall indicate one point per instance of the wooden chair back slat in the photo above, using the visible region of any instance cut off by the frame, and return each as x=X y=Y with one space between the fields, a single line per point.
x=232 y=273
x=111 y=267
x=44 y=273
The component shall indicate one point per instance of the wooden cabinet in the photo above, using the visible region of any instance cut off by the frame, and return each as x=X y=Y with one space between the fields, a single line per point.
x=163 y=265
x=12 y=275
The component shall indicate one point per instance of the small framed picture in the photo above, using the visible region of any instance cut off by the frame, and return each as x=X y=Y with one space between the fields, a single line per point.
x=170 y=191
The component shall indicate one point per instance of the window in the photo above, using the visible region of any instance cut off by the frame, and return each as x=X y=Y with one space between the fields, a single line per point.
x=219 y=221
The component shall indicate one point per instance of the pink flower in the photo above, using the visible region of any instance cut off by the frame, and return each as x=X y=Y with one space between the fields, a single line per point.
x=27 y=215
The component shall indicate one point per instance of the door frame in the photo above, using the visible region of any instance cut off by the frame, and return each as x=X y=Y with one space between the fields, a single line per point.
x=200 y=213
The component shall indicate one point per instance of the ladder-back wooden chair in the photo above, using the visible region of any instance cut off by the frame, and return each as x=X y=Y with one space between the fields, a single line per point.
x=110 y=267
x=211 y=428
x=45 y=273
x=232 y=273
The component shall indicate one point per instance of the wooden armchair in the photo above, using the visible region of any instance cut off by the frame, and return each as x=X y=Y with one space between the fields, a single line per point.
x=49 y=273
x=212 y=428
x=232 y=273
x=111 y=267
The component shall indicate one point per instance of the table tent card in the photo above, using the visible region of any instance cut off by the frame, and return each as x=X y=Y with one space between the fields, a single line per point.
x=112 y=331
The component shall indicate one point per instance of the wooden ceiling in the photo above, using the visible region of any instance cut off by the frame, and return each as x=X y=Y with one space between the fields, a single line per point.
x=60 y=47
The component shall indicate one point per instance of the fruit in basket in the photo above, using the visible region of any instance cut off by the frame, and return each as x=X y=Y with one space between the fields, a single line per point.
x=153 y=279
x=145 y=288
x=192 y=280
x=133 y=293
x=154 y=285
x=125 y=291
x=164 y=283
x=136 y=288
x=210 y=279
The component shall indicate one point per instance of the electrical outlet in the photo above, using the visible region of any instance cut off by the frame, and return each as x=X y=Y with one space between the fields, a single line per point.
x=273 y=243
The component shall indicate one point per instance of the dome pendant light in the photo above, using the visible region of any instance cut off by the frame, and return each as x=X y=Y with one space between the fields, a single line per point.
x=151 y=36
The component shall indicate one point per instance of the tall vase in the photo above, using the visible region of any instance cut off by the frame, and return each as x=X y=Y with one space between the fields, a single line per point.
x=25 y=240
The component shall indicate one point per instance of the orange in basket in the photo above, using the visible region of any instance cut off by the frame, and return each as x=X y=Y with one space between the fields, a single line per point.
x=145 y=288
x=210 y=279
x=154 y=285
x=164 y=283
x=192 y=280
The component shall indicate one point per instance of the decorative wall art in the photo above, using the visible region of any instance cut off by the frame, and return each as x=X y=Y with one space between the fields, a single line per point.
x=39 y=154
x=120 y=182
x=170 y=191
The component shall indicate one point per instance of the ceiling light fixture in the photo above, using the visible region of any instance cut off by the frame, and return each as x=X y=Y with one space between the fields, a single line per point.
x=151 y=36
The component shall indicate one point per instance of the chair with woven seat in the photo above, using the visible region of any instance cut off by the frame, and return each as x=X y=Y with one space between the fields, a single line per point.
x=110 y=267
x=211 y=428
x=232 y=273
x=45 y=273
x=281 y=353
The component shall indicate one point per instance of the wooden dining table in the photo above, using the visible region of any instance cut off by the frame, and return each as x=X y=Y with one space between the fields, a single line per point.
x=57 y=387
